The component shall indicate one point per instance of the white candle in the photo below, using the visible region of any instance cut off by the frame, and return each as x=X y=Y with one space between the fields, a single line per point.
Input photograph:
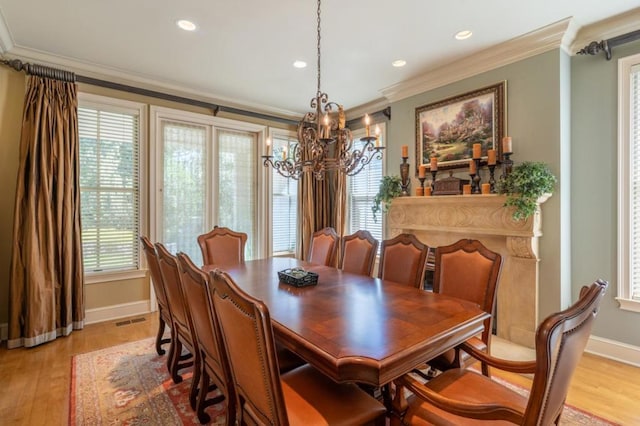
x=367 y=122
x=268 y=146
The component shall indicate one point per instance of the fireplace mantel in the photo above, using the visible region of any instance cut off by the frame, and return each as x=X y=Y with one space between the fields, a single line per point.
x=443 y=220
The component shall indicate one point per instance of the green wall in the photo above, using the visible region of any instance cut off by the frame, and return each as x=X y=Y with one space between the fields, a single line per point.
x=534 y=105
x=594 y=126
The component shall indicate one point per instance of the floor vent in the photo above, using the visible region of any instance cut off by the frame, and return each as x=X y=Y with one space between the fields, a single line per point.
x=131 y=321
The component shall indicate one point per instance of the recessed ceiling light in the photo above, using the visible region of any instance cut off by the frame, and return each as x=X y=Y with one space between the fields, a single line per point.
x=399 y=63
x=300 y=64
x=186 y=25
x=463 y=35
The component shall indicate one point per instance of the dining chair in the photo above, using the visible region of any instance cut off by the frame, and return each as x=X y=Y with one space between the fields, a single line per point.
x=324 y=246
x=467 y=270
x=359 y=252
x=222 y=246
x=164 y=313
x=181 y=336
x=403 y=259
x=458 y=395
x=214 y=366
x=301 y=396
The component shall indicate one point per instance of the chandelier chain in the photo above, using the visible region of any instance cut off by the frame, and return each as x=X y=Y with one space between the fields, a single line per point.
x=318 y=46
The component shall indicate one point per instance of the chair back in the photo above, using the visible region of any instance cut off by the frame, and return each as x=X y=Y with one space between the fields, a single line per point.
x=324 y=246
x=560 y=343
x=248 y=338
x=359 y=253
x=222 y=246
x=204 y=323
x=156 y=278
x=175 y=296
x=468 y=270
x=403 y=260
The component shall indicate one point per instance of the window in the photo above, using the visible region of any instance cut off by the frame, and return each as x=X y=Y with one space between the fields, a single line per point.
x=361 y=190
x=629 y=183
x=110 y=190
x=205 y=175
x=284 y=202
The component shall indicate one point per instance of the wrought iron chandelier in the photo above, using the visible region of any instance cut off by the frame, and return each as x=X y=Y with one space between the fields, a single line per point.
x=324 y=142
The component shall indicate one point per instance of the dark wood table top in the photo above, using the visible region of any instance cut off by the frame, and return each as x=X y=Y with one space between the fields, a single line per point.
x=357 y=328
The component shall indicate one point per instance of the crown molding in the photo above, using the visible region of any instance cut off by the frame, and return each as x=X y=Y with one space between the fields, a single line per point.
x=142 y=81
x=6 y=41
x=607 y=28
x=534 y=43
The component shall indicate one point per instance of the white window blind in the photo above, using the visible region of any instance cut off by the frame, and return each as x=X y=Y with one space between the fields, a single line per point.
x=109 y=188
x=237 y=162
x=362 y=188
x=284 y=202
x=634 y=134
x=183 y=187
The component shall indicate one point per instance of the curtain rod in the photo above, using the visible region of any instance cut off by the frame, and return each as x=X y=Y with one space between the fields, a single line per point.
x=605 y=46
x=58 y=74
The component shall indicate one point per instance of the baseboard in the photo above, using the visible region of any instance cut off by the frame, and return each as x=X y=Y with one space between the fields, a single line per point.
x=4 y=331
x=617 y=351
x=109 y=313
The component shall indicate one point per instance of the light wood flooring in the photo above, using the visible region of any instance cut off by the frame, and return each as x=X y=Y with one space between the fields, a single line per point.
x=35 y=383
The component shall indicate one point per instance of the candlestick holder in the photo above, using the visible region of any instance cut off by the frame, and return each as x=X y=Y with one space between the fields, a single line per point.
x=507 y=164
x=476 y=178
x=433 y=181
x=472 y=182
x=492 y=179
x=404 y=176
x=422 y=179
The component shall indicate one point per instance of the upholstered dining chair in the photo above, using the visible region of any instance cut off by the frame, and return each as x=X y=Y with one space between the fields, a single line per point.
x=459 y=395
x=359 y=253
x=301 y=396
x=467 y=270
x=180 y=328
x=403 y=260
x=222 y=246
x=324 y=246
x=164 y=313
x=214 y=366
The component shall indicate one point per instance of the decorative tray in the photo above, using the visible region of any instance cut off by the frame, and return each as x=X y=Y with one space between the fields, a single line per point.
x=298 y=277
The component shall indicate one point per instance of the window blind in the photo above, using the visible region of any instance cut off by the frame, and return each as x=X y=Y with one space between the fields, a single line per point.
x=635 y=182
x=284 y=202
x=109 y=188
x=237 y=162
x=362 y=189
x=184 y=197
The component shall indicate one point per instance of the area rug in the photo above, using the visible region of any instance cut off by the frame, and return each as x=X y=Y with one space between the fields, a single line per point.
x=129 y=385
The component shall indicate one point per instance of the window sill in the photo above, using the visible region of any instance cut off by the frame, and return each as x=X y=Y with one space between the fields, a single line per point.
x=103 y=277
x=628 y=304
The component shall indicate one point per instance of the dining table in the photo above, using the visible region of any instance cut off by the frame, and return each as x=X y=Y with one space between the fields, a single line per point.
x=357 y=328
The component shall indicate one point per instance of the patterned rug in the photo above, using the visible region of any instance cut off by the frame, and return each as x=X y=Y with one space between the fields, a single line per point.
x=129 y=385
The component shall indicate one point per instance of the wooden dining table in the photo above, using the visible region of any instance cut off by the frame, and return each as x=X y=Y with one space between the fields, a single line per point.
x=356 y=328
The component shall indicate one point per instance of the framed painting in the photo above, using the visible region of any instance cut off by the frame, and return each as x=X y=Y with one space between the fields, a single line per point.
x=448 y=129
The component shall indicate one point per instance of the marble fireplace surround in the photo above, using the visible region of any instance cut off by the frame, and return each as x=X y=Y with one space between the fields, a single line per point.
x=443 y=220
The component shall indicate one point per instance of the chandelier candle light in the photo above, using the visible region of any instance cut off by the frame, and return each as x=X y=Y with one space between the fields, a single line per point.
x=324 y=142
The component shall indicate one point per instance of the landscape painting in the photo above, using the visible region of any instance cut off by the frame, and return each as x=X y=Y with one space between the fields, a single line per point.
x=448 y=129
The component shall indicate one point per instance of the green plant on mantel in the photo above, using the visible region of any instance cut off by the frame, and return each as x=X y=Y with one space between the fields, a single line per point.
x=525 y=185
x=390 y=188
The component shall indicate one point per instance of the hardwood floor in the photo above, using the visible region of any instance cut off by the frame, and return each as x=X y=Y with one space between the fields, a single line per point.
x=35 y=383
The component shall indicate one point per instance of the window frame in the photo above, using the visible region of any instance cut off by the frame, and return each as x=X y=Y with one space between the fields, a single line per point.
x=625 y=167
x=87 y=100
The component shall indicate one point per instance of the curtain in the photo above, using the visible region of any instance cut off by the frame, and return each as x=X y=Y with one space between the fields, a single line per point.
x=322 y=203
x=46 y=289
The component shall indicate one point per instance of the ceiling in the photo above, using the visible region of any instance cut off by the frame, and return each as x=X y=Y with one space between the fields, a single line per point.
x=243 y=50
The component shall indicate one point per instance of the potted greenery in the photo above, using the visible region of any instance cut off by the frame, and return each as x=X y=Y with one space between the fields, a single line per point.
x=390 y=188
x=525 y=185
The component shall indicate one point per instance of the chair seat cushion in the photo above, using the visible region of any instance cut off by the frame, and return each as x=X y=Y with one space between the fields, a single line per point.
x=312 y=398
x=465 y=386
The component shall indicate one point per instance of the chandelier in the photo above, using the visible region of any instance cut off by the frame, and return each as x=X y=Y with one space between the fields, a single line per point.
x=324 y=142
